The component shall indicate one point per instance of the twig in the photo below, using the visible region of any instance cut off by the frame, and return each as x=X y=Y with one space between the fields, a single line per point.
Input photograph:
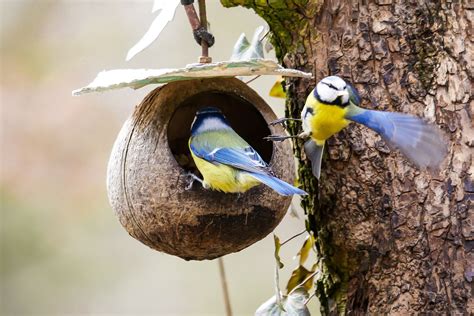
x=252 y=79
x=309 y=298
x=277 y=286
x=293 y=237
x=225 y=290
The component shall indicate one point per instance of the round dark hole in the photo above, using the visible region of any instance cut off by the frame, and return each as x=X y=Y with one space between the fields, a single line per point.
x=242 y=116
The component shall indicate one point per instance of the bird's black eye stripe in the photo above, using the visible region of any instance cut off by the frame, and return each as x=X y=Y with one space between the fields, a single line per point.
x=330 y=85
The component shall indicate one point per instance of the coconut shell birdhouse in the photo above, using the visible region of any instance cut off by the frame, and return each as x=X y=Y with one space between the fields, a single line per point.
x=148 y=170
x=149 y=166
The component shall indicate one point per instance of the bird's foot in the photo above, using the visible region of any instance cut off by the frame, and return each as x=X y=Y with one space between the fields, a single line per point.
x=282 y=121
x=190 y=178
x=278 y=138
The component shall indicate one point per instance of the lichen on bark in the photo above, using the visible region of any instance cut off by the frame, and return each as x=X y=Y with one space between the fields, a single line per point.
x=393 y=239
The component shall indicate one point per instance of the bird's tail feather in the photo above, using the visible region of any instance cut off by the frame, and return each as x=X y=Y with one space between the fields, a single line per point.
x=278 y=185
x=419 y=141
x=315 y=153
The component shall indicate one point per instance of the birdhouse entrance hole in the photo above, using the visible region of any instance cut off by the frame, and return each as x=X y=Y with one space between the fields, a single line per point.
x=243 y=117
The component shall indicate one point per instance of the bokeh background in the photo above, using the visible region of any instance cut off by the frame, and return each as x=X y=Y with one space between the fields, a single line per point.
x=63 y=252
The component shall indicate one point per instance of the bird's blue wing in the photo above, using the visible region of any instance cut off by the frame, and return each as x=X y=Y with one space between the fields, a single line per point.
x=419 y=141
x=278 y=185
x=247 y=160
x=240 y=158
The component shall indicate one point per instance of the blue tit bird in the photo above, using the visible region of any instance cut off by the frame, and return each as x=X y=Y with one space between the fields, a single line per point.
x=334 y=103
x=226 y=161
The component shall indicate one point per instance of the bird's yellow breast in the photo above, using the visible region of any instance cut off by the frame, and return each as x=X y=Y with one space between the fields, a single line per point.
x=326 y=120
x=224 y=178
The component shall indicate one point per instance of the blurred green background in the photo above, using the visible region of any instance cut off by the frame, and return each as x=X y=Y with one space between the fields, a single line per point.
x=63 y=252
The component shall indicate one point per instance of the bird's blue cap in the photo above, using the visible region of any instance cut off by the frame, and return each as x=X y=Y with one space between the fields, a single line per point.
x=209 y=110
x=214 y=118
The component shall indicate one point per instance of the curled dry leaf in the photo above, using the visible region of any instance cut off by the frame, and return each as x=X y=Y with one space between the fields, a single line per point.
x=306 y=248
x=277 y=90
x=244 y=50
x=301 y=277
x=293 y=305
x=168 y=9
x=277 y=251
x=138 y=78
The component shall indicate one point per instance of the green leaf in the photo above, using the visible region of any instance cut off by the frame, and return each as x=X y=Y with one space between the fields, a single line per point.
x=277 y=251
x=306 y=248
x=294 y=305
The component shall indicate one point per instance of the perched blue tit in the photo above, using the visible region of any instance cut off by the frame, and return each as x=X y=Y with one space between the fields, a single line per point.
x=226 y=161
x=334 y=103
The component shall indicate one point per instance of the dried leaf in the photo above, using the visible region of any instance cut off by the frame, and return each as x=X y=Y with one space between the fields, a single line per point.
x=294 y=211
x=269 y=308
x=243 y=50
x=298 y=276
x=294 y=305
x=268 y=46
x=306 y=248
x=168 y=9
x=277 y=251
x=137 y=78
x=240 y=47
x=277 y=90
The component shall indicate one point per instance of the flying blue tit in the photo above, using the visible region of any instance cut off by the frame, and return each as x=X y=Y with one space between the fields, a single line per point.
x=334 y=103
x=226 y=161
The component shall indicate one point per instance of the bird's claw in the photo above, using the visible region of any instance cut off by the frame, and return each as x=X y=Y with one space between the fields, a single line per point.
x=190 y=178
x=276 y=138
x=189 y=182
x=278 y=121
x=282 y=121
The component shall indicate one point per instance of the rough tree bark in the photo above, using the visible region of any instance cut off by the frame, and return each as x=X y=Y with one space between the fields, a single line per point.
x=394 y=240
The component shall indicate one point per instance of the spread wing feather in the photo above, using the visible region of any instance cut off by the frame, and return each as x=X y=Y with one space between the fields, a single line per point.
x=244 y=159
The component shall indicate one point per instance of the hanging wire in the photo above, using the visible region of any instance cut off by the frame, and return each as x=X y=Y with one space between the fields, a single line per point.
x=203 y=18
x=225 y=290
x=199 y=26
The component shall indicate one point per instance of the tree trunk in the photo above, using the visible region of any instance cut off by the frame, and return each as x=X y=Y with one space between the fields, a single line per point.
x=393 y=239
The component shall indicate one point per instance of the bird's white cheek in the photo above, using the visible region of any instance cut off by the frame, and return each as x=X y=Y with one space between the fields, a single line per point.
x=306 y=119
x=345 y=98
x=307 y=123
